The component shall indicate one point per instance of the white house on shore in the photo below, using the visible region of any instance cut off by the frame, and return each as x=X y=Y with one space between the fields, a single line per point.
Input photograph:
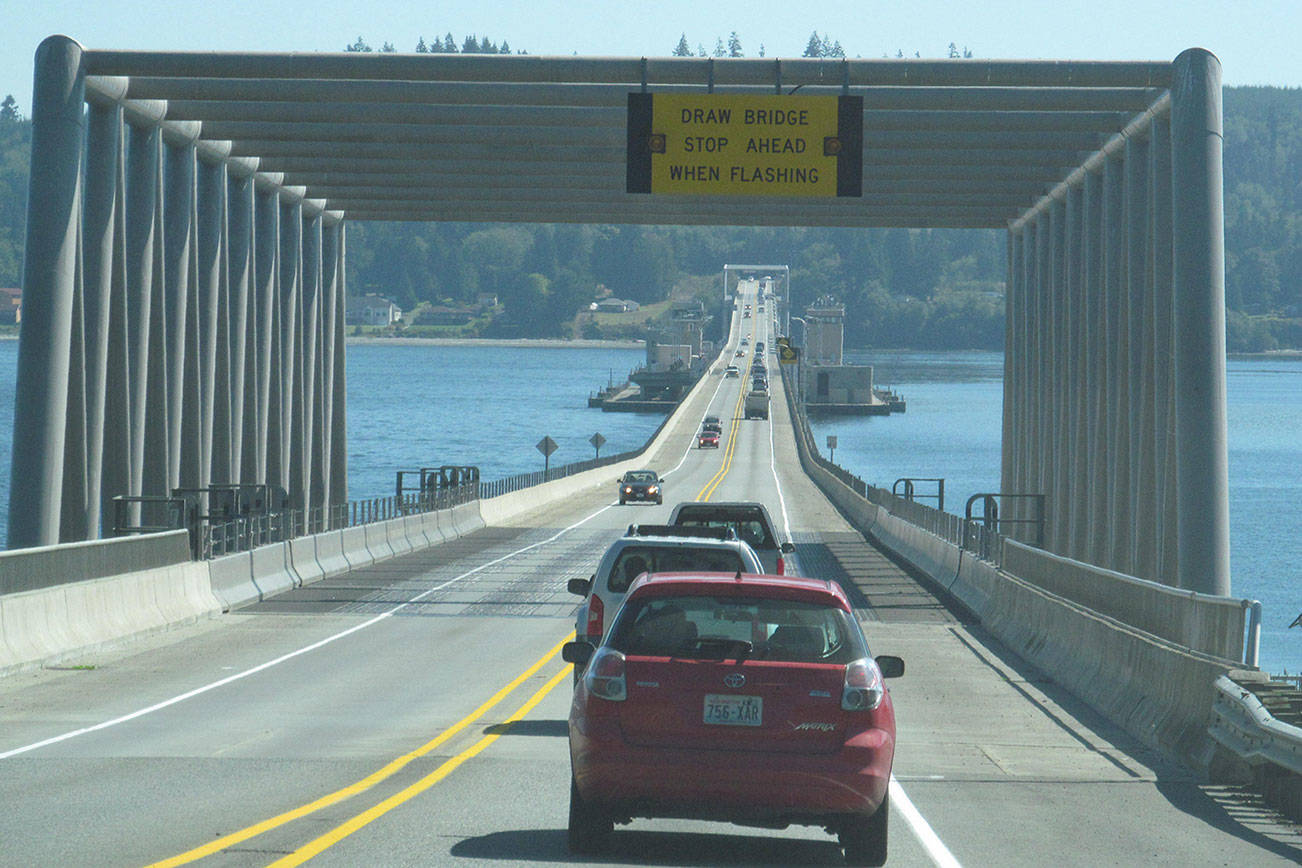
x=372 y=310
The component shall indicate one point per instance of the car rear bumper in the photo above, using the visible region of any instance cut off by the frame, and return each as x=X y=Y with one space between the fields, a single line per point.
x=733 y=786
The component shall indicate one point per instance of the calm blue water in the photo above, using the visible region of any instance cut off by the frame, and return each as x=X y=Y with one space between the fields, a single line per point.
x=953 y=425
x=412 y=406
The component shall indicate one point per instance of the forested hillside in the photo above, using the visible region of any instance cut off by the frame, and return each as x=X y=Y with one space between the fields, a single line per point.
x=902 y=288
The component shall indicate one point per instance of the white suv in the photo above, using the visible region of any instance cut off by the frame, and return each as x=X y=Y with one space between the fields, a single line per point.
x=654 y=549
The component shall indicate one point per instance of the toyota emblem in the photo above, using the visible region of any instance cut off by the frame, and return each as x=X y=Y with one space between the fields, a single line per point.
x=734 y=680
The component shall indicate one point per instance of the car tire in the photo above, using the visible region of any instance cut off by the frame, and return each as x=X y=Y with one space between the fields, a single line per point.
x=864 y=838
x=590 y=827
x=622 y=501
x=660 y=500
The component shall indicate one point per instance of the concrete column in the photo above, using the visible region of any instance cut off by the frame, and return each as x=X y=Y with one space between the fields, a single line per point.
x=1146 y=505
x=1111 y=453
x=211 y=231
x=310 y=406
x=1198 y=277
x=49 y=274
x=1167 y=554
x=291 y=395
x=243 y=333
x=73 y=501
x=178 y=211
x=1129 y=407
x=330 y=279
x=115 y=475
x=339 y=399
x=1056 y=487
x=1069 y=429
x=1087 y=370
x=103 y=149
x=266 y=239
x=1025 y=366
x=1041 y=394
x=1012 y=301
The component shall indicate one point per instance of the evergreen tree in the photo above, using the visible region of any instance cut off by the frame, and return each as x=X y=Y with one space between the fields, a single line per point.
x=470 y=45
x=700 y=50
x=682 y=49
x=449 y=44
x=953 y=51
x=814 y=48
x=421 y=47
x=486 y=46
x=761 y=49
x=835 y=50
x=359 y=45
x=9 y=109
x=734 y=46
x=388 y=48
x=719 y=49
x=504 y=49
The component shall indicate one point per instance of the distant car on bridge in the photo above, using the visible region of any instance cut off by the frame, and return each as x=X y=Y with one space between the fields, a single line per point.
x=707 y=439
x=749 y=520
x=651 y=548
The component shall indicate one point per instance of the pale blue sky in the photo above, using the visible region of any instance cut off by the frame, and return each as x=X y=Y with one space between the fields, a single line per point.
x=1258 y=41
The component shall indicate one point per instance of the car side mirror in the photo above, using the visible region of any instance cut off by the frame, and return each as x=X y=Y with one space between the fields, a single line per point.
x=891 y=667
x=788 y=547
x=579 y=653
x=579 y=587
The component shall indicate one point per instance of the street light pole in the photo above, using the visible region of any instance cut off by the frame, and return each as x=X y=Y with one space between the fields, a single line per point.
x=800 y=358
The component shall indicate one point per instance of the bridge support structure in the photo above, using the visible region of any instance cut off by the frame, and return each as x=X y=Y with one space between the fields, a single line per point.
x=176 y=301
x=1114 y=397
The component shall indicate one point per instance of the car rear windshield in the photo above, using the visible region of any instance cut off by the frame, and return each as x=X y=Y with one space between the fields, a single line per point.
x=749 y=524
x=726 y=627
x=636 y=560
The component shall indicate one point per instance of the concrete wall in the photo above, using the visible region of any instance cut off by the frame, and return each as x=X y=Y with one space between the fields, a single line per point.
x=136 y=586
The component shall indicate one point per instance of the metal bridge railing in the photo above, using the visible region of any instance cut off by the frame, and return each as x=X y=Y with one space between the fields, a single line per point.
x=224 y=519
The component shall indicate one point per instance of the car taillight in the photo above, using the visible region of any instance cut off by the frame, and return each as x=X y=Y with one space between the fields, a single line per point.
x=864 y=689
x=604 y=677
x=782 y=566
x=596 y=615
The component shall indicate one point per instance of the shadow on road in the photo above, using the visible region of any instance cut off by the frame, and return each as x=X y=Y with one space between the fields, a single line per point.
x=637 y=847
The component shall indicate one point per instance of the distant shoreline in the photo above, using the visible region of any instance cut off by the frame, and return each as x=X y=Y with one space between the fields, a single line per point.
x=532 y=343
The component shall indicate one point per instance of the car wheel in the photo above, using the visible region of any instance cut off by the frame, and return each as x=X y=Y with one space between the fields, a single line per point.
x=590 y=827
x=660 y=499
x=621 y=501
x=864 y=838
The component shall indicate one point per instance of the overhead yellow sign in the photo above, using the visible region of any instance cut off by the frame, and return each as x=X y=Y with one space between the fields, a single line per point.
x=738 y=145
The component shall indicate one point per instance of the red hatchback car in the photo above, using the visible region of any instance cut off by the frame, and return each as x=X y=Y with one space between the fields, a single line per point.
x=742 y=698
x=708 y=438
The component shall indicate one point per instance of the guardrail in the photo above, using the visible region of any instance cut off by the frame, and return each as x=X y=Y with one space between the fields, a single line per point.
x=1270 y=748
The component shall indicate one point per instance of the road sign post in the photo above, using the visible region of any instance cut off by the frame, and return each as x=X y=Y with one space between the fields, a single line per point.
x=597 y=442
x=546 y=446
x=831 y=447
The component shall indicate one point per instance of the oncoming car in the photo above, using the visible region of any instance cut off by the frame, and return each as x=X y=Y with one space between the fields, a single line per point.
x=737 y=698
x=640 y=485
x=707 y=439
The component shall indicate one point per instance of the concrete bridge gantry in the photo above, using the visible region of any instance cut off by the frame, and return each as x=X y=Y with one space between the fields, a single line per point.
x=185 y=255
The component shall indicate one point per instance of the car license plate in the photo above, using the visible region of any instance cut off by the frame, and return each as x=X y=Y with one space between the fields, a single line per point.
x=729 y=710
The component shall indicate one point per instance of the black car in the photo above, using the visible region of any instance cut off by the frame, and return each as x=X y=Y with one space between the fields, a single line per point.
x=640 y=485
x=712 y=423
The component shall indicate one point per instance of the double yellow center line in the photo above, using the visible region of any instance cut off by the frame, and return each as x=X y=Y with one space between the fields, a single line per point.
x=362 y=819
x=717 y=479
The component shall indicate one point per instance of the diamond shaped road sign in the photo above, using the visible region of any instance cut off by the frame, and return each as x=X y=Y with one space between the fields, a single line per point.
x=547 y=446
x=597 y=440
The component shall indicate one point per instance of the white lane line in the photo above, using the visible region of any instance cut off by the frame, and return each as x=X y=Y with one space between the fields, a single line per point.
x=291 y=655
x=936 y=849
x=922 y=830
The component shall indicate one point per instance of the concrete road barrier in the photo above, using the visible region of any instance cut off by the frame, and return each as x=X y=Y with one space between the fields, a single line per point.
x=47 y=624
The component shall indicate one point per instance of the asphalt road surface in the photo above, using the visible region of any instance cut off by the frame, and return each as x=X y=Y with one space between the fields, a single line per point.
x=413 y=713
